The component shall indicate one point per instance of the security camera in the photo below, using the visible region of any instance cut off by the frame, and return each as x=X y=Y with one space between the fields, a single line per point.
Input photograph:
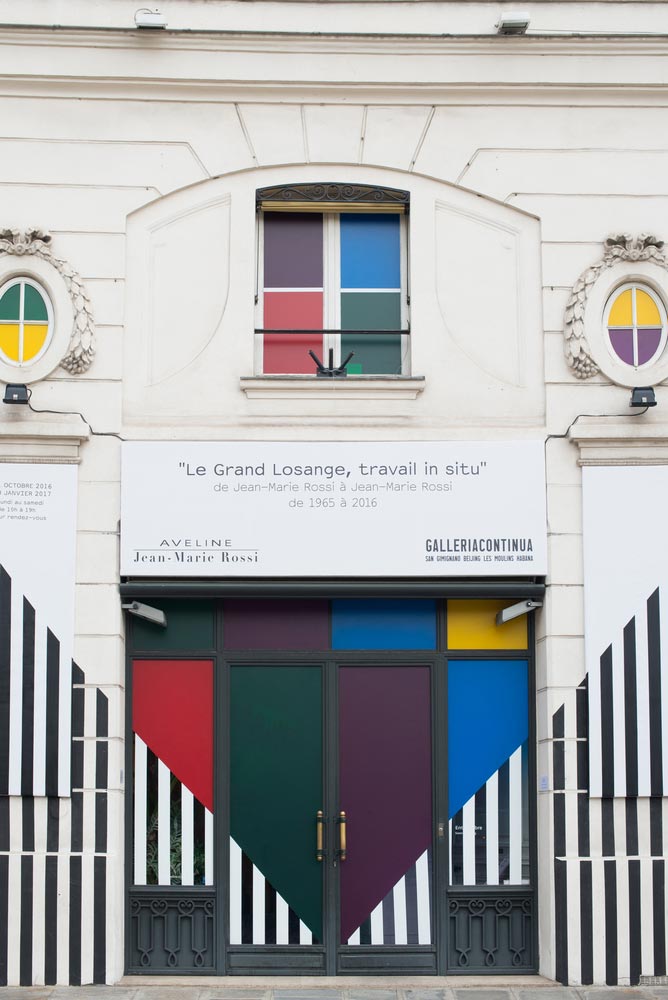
x=145 y=611
x=515 y=610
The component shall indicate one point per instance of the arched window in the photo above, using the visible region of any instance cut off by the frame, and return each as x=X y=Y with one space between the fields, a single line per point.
x=635 y=323
x=26 y=321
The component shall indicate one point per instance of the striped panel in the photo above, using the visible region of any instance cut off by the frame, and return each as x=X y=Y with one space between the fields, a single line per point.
x=404 y=915
x=34 y=707
x=611 y=856
x=489 y=843
x=258 y=914
x=54 y=868
x=628 y=747
x=172 y=830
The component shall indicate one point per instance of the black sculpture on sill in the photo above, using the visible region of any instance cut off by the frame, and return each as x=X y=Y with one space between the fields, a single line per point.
x=331 y=371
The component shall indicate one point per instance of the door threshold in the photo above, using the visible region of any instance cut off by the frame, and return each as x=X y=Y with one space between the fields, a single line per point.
x=341 y=982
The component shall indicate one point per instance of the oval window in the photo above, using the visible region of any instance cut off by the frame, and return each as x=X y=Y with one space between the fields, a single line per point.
x=635 y=321
x=26 y=321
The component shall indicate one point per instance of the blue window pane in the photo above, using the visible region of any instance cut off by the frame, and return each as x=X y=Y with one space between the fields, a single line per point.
x=488 y=719
x=383 y=624
x=370 y=256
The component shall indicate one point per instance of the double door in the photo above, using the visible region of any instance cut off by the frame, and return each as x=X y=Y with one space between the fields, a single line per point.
x=331 y=816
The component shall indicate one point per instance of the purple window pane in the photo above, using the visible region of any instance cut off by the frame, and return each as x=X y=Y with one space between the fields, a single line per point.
x=292 y=250
x=648 y=344
x=622 y=344
x=275 y=624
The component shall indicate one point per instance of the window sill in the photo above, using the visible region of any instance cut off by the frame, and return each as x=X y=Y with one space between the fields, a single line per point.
x=351 y=387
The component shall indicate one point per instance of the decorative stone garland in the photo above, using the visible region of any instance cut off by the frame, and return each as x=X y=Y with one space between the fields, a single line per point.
x=622 y=247
x=35 y=242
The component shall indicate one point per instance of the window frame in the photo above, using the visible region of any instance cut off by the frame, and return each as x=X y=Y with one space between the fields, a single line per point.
x=332 y=201
x=22 y=280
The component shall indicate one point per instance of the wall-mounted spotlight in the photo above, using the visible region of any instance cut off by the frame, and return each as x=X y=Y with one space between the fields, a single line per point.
x=516 y=610
x=147 y=18
x=513 y=22
x=640 y=396
x=153 y=615
x=16 y=393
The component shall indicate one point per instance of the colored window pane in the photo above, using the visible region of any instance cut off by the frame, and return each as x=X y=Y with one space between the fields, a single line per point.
x=488 y=774
x=10 y=303
x=370 y=311
x=621 y=313
x=34 y=338
x=190 y=626
x=267 y=624
x=289 y=353
x=636 y=326
x=25 y=321
x=34 y=306
x=647 y=313
x=370 y=251
x=622 y=344
x=472 y=625
x=375 y=355
x=293 y=250
x=648 y=344
x=293 y=310
x=9 y=341
x=383 y=624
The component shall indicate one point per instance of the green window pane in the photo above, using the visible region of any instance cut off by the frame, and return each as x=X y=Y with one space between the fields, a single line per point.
x=375 y=354
x=190 y=628
x=10 y=303
x=371 y=310
x=34 y=306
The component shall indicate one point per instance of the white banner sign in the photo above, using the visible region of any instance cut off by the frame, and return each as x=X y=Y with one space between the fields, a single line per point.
x=329 y=509
x=37 y=556
x=626 y=628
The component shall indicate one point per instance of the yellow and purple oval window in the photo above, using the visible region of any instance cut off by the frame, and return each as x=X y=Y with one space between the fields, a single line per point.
x=26 y=321
x=636 y=325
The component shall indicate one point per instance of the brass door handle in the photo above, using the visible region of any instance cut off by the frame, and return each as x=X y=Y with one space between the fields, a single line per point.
x=319 y=828
x=343 y=842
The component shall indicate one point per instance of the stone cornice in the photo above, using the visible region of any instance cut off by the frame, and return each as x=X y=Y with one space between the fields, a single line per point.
x=41 y=440
x=611 y=441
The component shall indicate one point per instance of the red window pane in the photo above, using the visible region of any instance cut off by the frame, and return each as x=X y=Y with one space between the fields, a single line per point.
x=293 y=310
x=289 y=352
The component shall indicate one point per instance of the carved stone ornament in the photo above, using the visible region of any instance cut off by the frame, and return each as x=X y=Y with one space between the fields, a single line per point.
x=35 y=243
x=333 y=193
x=618 y=248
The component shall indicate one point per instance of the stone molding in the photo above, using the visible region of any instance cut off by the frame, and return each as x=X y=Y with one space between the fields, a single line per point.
x=611 y=441
x=352 y=387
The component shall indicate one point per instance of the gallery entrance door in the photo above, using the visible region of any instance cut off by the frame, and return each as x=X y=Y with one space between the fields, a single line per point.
x=331 y=816
x=331 y=786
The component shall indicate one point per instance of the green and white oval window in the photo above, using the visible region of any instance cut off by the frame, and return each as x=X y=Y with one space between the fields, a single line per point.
x=26 y=321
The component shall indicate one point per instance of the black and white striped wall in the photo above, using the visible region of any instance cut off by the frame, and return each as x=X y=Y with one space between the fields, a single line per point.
x=611 y=849
x=54 y=855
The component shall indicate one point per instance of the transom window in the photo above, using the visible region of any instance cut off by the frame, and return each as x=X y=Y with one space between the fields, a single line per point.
x=26 y=321
x=635 y=322
x=332 y=278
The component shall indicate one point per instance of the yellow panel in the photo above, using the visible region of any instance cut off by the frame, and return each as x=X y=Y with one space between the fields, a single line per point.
x=472 y=625
x=647 y=313
x=621 y=313
x=9 y=340
x=34 y=335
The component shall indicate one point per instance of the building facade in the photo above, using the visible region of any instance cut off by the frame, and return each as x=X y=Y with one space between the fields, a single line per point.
x=333 y=575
